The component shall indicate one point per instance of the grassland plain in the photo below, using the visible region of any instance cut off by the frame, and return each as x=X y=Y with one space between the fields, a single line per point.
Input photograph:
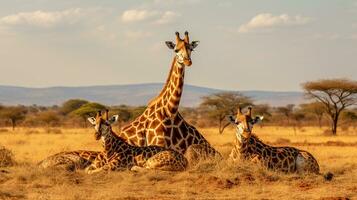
x=209 y=180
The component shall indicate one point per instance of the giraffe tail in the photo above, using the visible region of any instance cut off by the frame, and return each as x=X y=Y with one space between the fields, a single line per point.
x=328 y=176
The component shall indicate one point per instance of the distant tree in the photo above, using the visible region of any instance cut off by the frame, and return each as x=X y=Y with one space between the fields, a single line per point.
x=72 y=105
x=297 y=117
x=13 y=114
x=349 y=117
x=35 y=108
x=315 y=108
x=219 y=105
x=287 y=111
x=87 y=110
x=135 y=112
x=124 y=113
x=263 y=110
x=48 y=117
x=335 y=94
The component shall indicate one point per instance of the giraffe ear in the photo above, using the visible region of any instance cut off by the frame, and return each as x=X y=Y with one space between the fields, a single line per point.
x=170 y=44
x=113 y=119
x=232 y=120
x=258 y=119
x=91 y=120
x=194 y=44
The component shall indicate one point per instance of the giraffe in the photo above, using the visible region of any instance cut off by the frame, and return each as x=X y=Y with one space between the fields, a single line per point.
x=161 y=124
x=70 y=160
x=119 y=155
x=285 y=159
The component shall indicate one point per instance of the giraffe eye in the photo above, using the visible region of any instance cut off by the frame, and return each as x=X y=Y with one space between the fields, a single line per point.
x=176 y=50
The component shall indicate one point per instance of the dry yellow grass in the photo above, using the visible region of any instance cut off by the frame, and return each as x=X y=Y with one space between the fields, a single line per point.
x=208 y=181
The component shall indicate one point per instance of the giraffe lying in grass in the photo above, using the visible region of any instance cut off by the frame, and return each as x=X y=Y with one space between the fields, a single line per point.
x=70 y=160
x=285 y=159
x=119 y=155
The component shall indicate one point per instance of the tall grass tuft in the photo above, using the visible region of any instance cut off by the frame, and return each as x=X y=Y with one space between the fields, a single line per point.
x=6 y=157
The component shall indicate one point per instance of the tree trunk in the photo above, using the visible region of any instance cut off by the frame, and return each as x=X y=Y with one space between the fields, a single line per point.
x=84 y=122
x=334 y=123
x=13 y=123
x=222 y=127
x=319 y=120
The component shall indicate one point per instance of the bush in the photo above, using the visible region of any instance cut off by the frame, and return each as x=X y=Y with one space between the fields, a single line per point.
x=4 y=130
x=54 y=130
x=6 y=157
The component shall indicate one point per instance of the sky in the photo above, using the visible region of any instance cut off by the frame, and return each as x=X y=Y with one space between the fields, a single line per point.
x=244 y=45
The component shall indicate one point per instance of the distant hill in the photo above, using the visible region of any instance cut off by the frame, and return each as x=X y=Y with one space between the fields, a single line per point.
x=135 y=94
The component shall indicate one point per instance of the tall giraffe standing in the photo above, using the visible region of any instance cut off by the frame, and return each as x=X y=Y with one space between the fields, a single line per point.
x=161 y=124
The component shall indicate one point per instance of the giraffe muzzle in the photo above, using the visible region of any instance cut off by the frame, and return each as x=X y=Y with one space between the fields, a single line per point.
x=97 y=135
x=187 y=62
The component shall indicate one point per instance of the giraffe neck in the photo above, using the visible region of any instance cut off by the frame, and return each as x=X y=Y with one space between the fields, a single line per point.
x=170 y=96
x=113 y=143
x=252 y=146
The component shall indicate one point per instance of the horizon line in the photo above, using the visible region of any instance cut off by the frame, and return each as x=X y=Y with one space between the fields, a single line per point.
x=145 y=83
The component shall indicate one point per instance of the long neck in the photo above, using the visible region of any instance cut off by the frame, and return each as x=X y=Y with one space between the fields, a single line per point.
x=170 y=95
x=112 y=143
x=251 y=146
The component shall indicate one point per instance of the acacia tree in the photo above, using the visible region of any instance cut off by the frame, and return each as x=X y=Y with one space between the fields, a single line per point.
x=87 y=110
x=314 y=108
x=335 y=94
x=219 y=105
x=349 y=117
x=48 y=117
x=71 y=105
x=13 y=114
x=124 y=114
x=287 y=111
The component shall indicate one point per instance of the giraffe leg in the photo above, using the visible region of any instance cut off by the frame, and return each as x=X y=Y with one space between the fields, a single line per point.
x=70 y=160
x=138 y=169
x=98 y=164
x=92 y=170
x=234 y=155
x=102 y=164
x=168 y=160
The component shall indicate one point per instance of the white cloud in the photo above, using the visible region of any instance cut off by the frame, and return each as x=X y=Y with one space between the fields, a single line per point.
x=137 y=15
x=167 y=17
x=268 y=20
x=158 y=17
x=43 y=18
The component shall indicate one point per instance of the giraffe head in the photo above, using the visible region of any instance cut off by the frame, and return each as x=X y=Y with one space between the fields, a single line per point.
x=183 y=48
x=102 y=124
x=244 y=123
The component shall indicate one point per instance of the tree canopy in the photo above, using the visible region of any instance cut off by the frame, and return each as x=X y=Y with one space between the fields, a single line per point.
x=71 y=105
x=87 y=110
x=219 y=105
x=14 y=114
x=335 y=94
